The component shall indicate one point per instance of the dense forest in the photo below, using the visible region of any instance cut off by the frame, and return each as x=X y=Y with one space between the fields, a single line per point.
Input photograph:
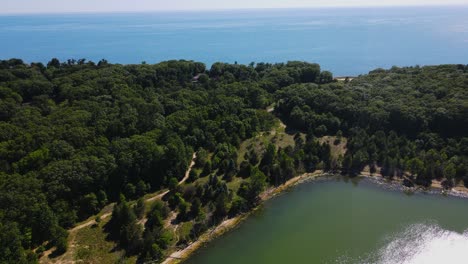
x=76 y=136
x=401 y=120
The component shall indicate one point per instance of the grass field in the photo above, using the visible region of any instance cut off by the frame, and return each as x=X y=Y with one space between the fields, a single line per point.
x=337 y=150
x=91 y=246
x=277 y=136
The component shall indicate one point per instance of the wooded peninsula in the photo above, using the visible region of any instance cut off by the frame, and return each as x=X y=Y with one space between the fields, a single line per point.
x=105 y=162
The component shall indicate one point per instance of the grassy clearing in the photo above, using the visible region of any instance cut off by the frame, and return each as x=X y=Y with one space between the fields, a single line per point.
x=199 y=181
x=91 y=246
x=183 y=231
x=337 y=150
x=282 y=140
x=235 y=184
x=277 y=136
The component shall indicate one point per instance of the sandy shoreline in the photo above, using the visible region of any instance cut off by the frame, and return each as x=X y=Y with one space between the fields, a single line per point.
x=229 y=224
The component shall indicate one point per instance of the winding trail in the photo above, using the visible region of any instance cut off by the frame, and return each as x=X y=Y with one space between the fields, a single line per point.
x=150 y=199
x=186 y=176
x=105 y=213
x=90 y=222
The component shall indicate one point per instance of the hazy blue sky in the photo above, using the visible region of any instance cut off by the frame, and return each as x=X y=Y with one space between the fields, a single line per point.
x=53 y=6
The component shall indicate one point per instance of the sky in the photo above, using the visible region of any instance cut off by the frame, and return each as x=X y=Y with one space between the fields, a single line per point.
x=66 y=6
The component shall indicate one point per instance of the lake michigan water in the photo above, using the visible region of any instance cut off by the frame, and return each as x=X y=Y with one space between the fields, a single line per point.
x=346 y=41
x=316 y=223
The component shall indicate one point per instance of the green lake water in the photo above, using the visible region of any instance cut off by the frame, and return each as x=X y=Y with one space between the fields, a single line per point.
x=346 y=221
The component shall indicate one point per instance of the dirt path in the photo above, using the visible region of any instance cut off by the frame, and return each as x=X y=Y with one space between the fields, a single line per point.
x=186 y=176
x=156 y=197
x=105 y=213
x=90 y=222
x=270 y=109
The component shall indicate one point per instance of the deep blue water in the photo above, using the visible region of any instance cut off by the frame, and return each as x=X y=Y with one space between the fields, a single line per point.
x=345 y=41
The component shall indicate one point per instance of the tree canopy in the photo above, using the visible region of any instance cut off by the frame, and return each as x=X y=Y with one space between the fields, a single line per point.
x=77 y=135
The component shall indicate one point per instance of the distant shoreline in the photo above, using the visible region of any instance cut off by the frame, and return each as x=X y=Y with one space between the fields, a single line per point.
x=227 y=10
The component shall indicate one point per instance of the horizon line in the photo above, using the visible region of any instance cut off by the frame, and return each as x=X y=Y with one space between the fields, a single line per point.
x=230 y=9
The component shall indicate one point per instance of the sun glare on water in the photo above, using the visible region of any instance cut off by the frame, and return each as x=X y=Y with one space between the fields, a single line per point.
x=425 y=244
